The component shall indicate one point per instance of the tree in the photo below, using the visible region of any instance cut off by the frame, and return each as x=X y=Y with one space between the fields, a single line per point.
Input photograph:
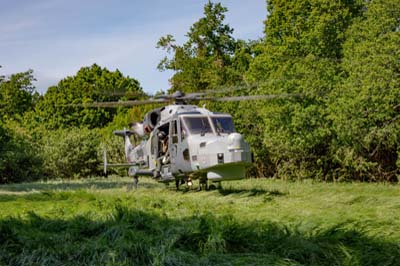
x=17 y=94
x=304 y=27
x=366 y=108
x=301 y=57
x=19 y=159
x=71 y=153
x=61 y=106
x=206 y=60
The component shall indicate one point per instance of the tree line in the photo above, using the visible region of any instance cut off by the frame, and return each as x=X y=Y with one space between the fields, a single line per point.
x=335 y=64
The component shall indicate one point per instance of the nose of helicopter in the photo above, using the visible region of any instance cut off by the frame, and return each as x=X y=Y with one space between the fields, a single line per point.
x=225 y=156
x=231 y=164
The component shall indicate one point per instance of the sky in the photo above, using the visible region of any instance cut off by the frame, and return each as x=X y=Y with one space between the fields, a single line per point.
x=56 y=38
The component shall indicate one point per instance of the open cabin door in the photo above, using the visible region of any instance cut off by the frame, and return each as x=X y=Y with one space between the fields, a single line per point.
x=179 y=151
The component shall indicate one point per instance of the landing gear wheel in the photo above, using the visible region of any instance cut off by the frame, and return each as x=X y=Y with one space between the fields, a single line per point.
x=216 y=186
x=180 y=182
x=203 y=184
x=135 y=182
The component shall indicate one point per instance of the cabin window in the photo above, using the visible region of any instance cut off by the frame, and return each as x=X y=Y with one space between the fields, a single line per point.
x=183 y=130
x=186 y=155
x=223 y=124
x=154 y=145
x=198 y=125
x=163 y=138
x=174 y=131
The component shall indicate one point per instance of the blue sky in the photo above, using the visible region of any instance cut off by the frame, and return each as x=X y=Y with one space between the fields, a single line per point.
x=56 y=38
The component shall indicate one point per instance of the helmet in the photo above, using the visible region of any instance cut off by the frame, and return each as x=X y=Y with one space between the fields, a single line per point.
x=161 y=135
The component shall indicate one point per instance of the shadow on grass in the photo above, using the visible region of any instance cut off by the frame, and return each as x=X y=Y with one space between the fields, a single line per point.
x=51 y=191
x=67 y=186
x=46 y=196
x=233 y=191
x=250 y=192
x=131 y=237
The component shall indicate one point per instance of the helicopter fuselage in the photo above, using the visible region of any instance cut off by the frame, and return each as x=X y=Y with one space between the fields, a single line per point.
x=189 y=141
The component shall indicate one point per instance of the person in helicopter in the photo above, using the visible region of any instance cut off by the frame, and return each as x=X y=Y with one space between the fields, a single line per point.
x=163 y=138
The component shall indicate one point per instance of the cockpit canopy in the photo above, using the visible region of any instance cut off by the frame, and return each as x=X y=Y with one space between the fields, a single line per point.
x=201 y=124
x=223 y=124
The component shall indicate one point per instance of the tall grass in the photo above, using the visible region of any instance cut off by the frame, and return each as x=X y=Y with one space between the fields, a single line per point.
x=251 y=222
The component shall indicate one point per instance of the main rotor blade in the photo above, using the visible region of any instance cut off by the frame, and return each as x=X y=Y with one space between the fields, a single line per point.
x=120 y=103
x=233 y=88
x=189 y=98
x=179 y=95
x=123 y=93
x=250 y=97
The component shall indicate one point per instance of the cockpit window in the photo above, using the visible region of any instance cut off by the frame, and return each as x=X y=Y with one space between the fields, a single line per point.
x=197 y=125
x=223 y=124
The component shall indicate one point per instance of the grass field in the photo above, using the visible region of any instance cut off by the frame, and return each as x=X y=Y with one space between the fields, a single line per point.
x=249 y=222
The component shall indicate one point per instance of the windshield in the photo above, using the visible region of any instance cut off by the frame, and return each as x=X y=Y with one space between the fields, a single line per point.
x=197 y=125
x=223 y=124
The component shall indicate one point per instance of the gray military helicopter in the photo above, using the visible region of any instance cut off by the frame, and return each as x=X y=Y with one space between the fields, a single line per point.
x=181 y=142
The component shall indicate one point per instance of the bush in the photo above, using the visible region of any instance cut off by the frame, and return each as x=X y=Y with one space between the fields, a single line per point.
x=71 y=152
x=19 y=159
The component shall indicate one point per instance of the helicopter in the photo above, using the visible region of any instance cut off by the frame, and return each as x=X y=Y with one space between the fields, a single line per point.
x=181 y=142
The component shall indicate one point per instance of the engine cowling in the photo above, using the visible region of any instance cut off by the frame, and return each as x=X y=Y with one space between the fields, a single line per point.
x=151 y=119
x=138 y=129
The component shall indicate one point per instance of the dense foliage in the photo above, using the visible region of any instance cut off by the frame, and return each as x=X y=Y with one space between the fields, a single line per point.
x=211 y=57
x=301 y=56
x=19 y=160
x=365 y=108
x=72 y=152
x=61 y=106
x=54 y=135
x=335 y=64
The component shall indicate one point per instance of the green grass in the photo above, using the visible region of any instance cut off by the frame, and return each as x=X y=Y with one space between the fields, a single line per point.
x=249 y=222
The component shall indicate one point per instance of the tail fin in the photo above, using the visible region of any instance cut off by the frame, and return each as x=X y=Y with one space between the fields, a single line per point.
x=128 y=145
